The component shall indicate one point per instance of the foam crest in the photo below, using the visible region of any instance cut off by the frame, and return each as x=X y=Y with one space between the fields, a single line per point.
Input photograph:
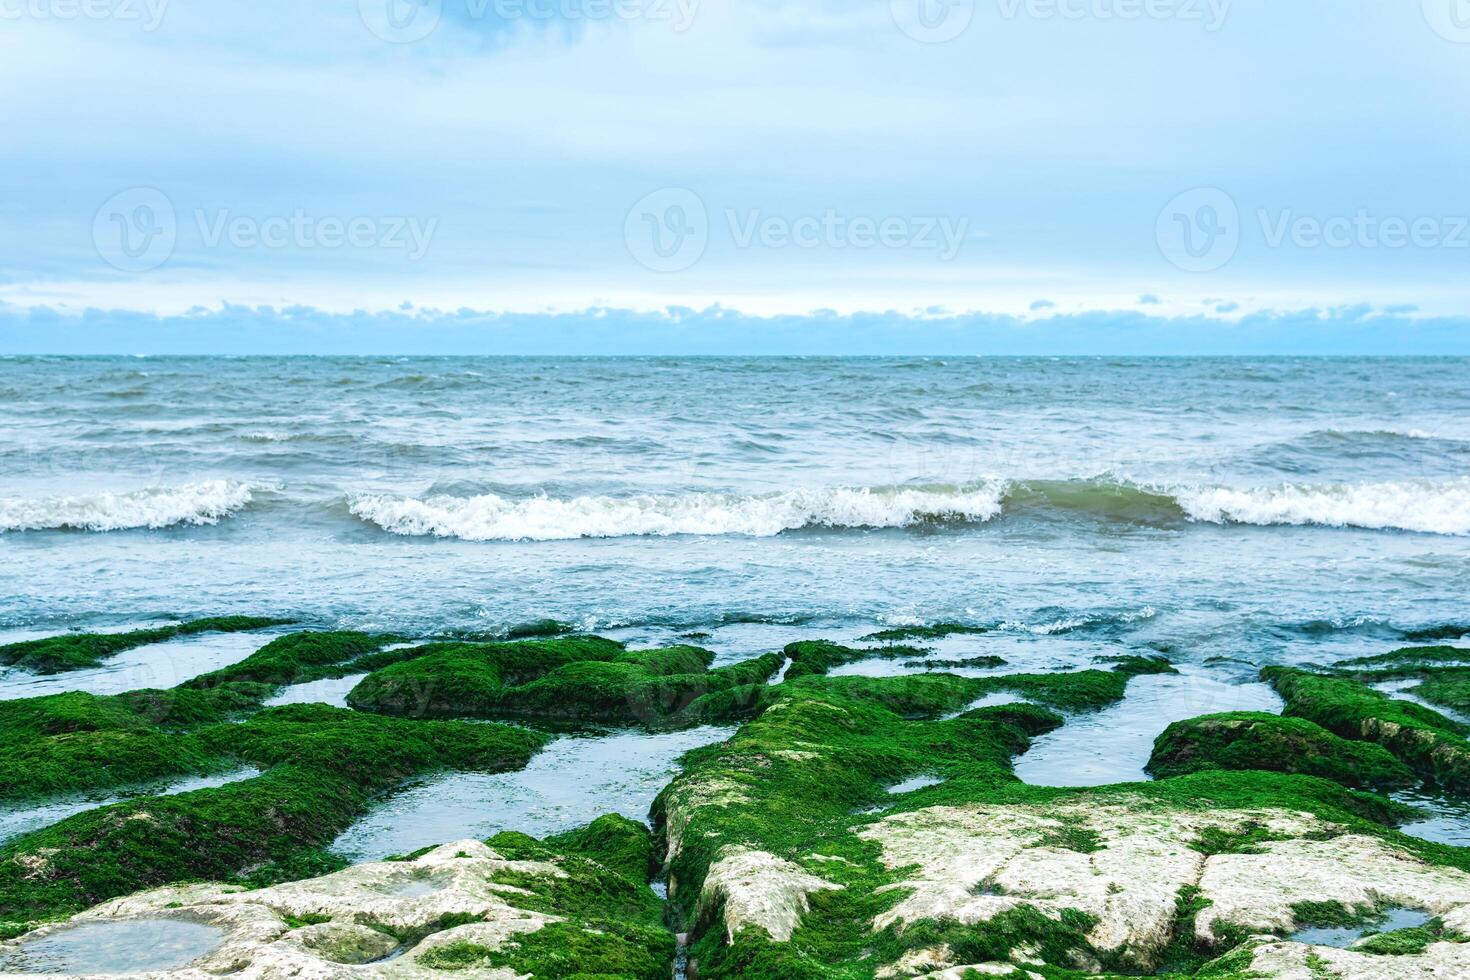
x=154 y=507
x=489 y=517
x=1433 y=507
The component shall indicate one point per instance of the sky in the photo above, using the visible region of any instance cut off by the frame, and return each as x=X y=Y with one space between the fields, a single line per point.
x=708 y=176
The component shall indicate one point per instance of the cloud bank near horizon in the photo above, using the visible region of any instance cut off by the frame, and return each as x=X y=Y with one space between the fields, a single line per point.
x=239 y=330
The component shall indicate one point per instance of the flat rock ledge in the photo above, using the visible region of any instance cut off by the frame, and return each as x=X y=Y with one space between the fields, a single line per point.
x=372 y=920
x=971 y=863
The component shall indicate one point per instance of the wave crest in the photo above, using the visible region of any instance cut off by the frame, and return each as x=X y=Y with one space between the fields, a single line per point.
x=490 y=517
x=154 y=507
x=1435 y=507
x=1431 y=507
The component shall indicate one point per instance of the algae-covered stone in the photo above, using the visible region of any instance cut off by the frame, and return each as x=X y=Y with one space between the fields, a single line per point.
x=322 y=766
x=1252 y=740
x=463 y=909
x=75 y=651
x=1427 y=742
x=571 y=679
x=788 y=859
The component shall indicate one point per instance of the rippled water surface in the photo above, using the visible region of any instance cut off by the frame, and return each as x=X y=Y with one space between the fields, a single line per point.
x=121 y=946
x=574 y=780
x=1263 y=510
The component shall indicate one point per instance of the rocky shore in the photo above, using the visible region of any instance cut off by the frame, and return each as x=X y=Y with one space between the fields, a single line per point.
x=851 y=827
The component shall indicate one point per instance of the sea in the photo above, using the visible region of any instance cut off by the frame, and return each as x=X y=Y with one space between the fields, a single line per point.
x=1220 y=511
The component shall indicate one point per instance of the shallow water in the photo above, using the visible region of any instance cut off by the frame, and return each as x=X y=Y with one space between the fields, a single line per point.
x=155 y=665
x=992 y=700
x=1344 y=936
x=15 y=821
x=574 y=780
x=332 y=690
x=915 y=782
x=1267 y=508
x=115 y=946
x=1113 y=745
x=1447 y=821
x=1398 y=689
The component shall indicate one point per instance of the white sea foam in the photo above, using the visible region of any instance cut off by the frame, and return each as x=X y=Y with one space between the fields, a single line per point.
x=1434 y=507
x=491 y=517
x=153 y=507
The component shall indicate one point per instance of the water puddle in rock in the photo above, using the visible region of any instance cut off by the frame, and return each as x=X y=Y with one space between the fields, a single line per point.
x=154 y=665
x=992 y=700
x=116 y=946
x=15 y=821
x=1446 y=822
x=331 y=691
x=1399 y=691
x=571 y=782
x=1113 y=745
x=418 y=888
x=915 y=782
x=1342 y=937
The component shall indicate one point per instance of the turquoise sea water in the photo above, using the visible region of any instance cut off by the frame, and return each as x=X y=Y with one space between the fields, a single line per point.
x=1258 y=510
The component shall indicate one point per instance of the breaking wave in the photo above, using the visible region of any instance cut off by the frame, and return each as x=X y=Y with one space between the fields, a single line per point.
x=490 y=517
x=155 y=507
x=1434 y=507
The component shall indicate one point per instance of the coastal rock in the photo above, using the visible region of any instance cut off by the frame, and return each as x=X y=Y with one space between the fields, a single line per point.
x=1298 y=961
x=760 y=889
x=1258 y=891
x=1124 y=866
x=355 y=916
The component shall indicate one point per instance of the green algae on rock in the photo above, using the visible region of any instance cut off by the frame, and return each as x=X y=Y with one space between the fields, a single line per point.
x=298 y=657
x=1432 y=745
x=78 y=742
x=322 y=766
x=1443 y=673
x=787 y=858
x=572 y=679
x=1254 y=740
x=76 y=651
x=516 y=907
x=938 y=631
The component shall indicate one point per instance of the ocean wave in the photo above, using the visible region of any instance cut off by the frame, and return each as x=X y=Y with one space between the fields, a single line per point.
x=1435 y=507
x=490 y=517
x=154 y=507
x=1432 y=507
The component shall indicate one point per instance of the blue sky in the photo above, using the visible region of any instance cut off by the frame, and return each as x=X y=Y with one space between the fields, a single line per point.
x=529 y=175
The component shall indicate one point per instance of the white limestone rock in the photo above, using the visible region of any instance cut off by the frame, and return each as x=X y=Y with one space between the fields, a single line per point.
x=975 y=862
x=759 y=889
x=412 y=896
x=1298 y=961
